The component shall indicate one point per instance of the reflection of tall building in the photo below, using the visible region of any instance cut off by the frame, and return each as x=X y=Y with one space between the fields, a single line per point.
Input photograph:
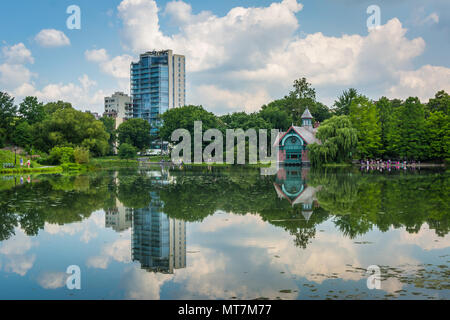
x=290 y=184
x=118 y=218
x=158 y=242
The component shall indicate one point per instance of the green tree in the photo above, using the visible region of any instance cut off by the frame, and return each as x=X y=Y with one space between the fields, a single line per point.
x=441 y=102
x=407 y=139
x=338 y=140
x=81 y=155
x=32 y=110
x=303 y=89
x=127 y=151
x=342 y=105
x=364 y=118
x=386 y=122
x=52 y=107
x=184 y=118
x=8 y=111
x=69 y=127
x=23 y=135
x=110 y=127
x=135 y=132
x=277 y=117
x=438 y=135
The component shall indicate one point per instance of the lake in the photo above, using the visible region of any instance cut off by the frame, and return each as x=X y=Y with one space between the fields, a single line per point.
x=227 y=233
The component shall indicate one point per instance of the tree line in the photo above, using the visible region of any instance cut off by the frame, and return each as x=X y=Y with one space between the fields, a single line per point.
x=355 y=127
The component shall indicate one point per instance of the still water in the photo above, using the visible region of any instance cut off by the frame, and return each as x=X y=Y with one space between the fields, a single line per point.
x=153 y=233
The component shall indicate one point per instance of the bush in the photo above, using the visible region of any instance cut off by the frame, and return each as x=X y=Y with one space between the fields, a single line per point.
x=127 y=151
x=71 y=167
x=81 y=155
x=60 y=155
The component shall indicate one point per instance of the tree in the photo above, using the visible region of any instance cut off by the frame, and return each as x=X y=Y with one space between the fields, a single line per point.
x=277 y=117
x=364 y=118
x=127 y=151
x=23 y=135
x=342 y=105
x=408 y=135
x=184 y=118
x=110 y=127
x=32 y=110
x=7 y=114
x=386 y=122
x=135 y=132
x=303 y=89
x=245 y=121
x=441 y=102
x=69 y=127
x=338 y=138
x=52 y=107
x=438 y=135
x=81 y=155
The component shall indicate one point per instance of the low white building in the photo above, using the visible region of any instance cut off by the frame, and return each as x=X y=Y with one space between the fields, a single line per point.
x=119 y=107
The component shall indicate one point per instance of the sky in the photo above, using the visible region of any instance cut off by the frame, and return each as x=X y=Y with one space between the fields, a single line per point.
x=239 y=54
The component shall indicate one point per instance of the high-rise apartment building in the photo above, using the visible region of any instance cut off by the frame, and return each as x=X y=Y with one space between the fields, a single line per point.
x=157 y=84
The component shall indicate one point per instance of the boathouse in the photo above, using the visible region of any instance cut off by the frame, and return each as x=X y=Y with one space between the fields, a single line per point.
x=292 y=144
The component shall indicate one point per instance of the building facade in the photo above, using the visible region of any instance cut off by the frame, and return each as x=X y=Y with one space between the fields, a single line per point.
x=119 y=107
x=292 y=144
x=158 y=82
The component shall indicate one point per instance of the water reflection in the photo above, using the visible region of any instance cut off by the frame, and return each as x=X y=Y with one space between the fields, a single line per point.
x=263 y=236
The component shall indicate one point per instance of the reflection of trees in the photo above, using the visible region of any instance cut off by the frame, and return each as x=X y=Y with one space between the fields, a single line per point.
x=54 y=199
x=359 y=202
x=356 y=202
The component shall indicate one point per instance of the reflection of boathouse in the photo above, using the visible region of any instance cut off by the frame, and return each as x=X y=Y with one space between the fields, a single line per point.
x=158 y=242
x=290 y=184
x=292 y=144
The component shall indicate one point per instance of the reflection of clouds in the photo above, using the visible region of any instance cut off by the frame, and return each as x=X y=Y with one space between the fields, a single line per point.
x=222 y=220
x=52 y=280
x=209 y=275
x=18 y=244
x=391 y=285
x=142 y=285
x=426 y=239
x=19 y=264
x=88 y=227
x=119 y=250
x=13 y=253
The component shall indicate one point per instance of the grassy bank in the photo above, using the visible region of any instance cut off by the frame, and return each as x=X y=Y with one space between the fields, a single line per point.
x=112 y=162
x=55 y=169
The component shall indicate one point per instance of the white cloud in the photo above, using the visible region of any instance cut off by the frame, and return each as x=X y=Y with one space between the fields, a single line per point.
x=81 y=95
x=118 y=67
x=432 y=18
x=17 y=54
x=99 y=55
x=250 y=56
x=52 y=38
x=220 y=100
x=119 y=250
x=422 y=83
x=52 y=280
x=13 y=75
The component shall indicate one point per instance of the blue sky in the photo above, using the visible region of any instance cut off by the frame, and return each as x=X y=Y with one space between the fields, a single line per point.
x=240 y=54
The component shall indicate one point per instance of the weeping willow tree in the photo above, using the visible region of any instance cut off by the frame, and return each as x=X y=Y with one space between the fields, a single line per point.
x=338 y=138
